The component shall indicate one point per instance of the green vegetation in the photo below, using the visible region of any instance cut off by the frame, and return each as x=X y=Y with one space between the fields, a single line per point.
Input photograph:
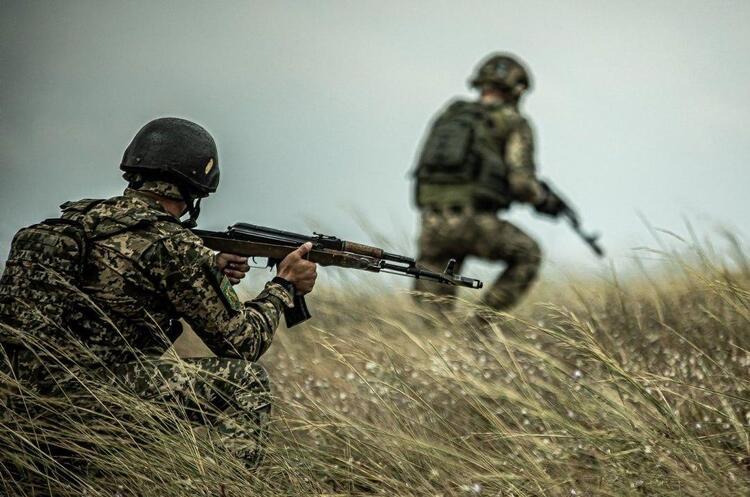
x=606 y=388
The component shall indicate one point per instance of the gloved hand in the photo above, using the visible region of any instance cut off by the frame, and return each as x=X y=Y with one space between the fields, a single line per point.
x=551 y=204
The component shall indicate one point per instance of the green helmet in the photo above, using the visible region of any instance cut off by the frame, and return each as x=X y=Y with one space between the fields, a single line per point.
x=504 y=71
x=177 y=151
x=171 y=151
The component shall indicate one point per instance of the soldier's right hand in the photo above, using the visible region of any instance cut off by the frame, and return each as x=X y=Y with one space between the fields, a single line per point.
x=299 y=271
x=551 y=205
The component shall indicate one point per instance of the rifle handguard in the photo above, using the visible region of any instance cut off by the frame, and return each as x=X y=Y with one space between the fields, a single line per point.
x=362 y=249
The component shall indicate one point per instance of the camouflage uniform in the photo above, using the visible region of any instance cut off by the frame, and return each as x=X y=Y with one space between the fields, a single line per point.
x=458 y=231
x=145 y=271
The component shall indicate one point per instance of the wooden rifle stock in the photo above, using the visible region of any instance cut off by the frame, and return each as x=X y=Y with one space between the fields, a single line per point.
x=276 y=253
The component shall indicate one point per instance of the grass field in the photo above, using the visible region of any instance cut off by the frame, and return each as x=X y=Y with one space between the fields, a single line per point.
x=605 y=387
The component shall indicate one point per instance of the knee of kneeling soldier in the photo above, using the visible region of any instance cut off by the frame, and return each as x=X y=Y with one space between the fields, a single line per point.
x=533 y=253
x=247 y=375
x=528 y=253
x=258 y=374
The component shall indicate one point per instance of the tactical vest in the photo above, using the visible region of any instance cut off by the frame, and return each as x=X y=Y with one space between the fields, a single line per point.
x=40 y=289
x=461 y=162
x=39 y=293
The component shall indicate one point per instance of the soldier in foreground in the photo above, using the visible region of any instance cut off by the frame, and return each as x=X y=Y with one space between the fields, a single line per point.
x=98 y=294
x=477 y=159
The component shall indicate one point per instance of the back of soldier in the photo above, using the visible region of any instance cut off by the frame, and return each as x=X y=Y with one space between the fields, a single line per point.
x=461 y=162
x=460 y=214
x=76 y=287
x=44 y=265
x=131 y=313
x=56 y=331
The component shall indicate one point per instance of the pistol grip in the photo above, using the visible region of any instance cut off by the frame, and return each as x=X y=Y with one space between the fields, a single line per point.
x=297 y=314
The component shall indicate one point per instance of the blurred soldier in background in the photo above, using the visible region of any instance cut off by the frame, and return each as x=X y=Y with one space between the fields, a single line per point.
x=478 y=158
x=97 y=294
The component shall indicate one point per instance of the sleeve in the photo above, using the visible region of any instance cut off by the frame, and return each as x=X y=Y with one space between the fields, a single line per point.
x=519 y=157
x=185 y=272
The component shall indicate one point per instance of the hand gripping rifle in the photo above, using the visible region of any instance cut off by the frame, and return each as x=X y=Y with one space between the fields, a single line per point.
x=555 y=205
x=252 y=241
x=590 y=239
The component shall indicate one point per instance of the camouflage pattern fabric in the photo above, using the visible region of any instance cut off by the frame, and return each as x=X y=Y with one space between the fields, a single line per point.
x=163 y=188
x=461 y=232
x=145 y=278
x=458 y=231
x=145 y=271
x=516 y=137
x=231 y=395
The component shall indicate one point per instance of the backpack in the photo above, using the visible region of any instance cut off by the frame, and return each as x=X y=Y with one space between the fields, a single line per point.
x=460 y=161
x=39 y=288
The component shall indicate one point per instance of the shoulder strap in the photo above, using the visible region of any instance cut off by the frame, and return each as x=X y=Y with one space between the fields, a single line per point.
x=83 y=205
x=106 y=218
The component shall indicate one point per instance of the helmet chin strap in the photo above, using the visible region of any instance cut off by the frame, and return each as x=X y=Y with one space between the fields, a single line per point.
x=193 y=208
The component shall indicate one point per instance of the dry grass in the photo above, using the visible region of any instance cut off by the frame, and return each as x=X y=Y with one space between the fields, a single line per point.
x=603 y=388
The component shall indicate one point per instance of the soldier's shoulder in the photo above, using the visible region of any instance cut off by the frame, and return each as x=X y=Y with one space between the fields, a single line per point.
x=135 y=222
x=178 y=236
x=455 y=107
x=108 y=217
x=178 y=243
x=459 y=103
x=507 y=116
x=460 y=100
x=77 y=207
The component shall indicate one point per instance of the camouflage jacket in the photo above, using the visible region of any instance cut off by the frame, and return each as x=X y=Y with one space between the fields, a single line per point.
x=144 y=271
x=500 y=135
x=515 y=138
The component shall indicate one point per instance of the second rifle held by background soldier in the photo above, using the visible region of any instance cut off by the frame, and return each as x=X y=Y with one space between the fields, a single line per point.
x=476 y=160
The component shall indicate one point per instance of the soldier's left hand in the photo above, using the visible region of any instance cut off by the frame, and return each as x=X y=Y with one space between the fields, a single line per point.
x=233 y=266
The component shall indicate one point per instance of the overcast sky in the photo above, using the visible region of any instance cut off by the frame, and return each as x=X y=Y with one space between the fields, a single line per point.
x=318 y=107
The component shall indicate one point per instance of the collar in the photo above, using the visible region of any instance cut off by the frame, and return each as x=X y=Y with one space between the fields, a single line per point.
x=146 y=199
x=498 y=104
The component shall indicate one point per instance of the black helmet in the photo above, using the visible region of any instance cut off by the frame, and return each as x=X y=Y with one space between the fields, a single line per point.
x=177 y=151
x=504 y=71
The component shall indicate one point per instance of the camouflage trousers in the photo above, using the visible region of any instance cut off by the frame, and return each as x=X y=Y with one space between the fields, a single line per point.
x=461 y=232
x=231 y=396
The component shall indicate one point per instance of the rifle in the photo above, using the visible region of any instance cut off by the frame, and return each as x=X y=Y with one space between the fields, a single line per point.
x=253 y=241
x=555 y=205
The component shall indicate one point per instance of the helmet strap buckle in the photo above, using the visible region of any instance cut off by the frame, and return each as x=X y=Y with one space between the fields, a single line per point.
x=193 y=208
